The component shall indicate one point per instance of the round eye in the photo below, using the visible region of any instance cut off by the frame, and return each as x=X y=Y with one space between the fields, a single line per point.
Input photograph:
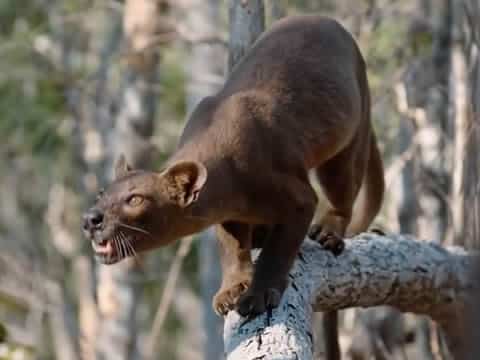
x=135 y=200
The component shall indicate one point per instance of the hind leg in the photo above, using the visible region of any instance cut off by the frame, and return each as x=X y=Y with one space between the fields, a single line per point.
x=341 y=178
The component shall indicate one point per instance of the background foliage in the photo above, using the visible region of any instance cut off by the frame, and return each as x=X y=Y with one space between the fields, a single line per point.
x=62 y=67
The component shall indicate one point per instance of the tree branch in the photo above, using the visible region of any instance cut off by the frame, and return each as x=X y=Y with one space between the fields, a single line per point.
x=413 y=276
x=167 y=297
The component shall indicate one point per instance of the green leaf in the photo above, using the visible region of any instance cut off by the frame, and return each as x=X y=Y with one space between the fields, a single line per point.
x=3 y=333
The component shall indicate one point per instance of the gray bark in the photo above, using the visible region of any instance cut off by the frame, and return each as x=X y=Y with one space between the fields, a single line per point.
x=247 y=22
x=413 y=276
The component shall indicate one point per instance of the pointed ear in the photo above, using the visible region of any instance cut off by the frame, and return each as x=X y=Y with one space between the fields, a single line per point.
x=121 y=167
x=184 y=181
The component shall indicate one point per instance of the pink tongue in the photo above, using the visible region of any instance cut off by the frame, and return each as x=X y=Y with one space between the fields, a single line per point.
x=104 y=249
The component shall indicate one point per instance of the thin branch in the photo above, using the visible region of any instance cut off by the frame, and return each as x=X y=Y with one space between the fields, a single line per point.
x=401 y=161
x=167 y=296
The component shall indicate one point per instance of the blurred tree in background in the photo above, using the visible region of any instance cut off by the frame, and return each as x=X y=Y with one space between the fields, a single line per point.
x=84 y=80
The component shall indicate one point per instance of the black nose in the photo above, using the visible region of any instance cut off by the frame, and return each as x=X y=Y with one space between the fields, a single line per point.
x=93 y=219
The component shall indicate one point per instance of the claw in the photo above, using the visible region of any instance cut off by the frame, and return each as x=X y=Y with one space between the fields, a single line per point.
x=255 y=302
x=226 y=298
x=328 y=239
x=314 y=230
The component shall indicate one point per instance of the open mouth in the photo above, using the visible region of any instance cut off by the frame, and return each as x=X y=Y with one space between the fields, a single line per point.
x=114 y=249
x=105 y=248
x=105 y=252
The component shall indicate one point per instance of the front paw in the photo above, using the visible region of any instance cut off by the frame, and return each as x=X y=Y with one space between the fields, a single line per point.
x=257 y=301
x=228 y=296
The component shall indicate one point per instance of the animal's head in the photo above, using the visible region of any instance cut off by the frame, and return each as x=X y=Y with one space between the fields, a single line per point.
x=142 y=210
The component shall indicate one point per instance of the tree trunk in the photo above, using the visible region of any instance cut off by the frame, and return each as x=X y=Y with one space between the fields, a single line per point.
x=436 y=135
x=471 y=176
x=247 y=22
x=459 y=94
x=470 y=186
x=433 y=163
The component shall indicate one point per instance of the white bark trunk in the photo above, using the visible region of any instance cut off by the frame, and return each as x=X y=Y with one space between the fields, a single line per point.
x=413 y=276
x=460 y=99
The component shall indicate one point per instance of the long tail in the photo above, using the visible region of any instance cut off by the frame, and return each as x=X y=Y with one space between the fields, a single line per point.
x=369 y=200
x=330 y=333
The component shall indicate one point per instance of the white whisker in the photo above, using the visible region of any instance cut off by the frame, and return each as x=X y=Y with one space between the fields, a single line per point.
x=128 y=246
x=119 y=247
x=109 y=255
x=131 y=227
x=116 y=246
x=125 y=248
x=132 y=249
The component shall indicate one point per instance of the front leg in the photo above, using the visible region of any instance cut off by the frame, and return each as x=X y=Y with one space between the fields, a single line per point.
x=279 y=251
x=235 y=243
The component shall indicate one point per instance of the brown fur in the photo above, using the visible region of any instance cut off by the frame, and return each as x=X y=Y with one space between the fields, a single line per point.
x=299 y=100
